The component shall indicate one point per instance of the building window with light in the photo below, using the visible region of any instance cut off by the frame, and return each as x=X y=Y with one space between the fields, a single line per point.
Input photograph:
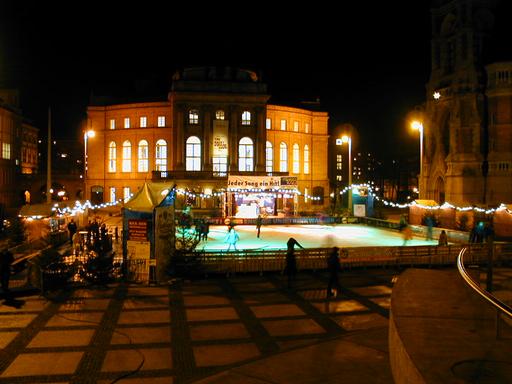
x=296 y=126
x=127 y=157
x=245 y=155
x=296 y=158
x=306 y=160
x=126 y=193
x=161 y=155
x=269 y=158
x=161 y=121
x=220 y=166
x=246 y=118
x=193 y=154
x=6 y=150
x=268 y=123
x=143 y=121
x=283 y=157
x=219 y=115
x=112 y=193
x=112 y=157
x=306 y=127
x=127 y=122
x=283 y=125
x=143 y=156
x=112 y=124
x=193 y=116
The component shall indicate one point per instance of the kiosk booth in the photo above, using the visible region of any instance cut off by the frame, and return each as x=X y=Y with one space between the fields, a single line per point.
x=149 y=232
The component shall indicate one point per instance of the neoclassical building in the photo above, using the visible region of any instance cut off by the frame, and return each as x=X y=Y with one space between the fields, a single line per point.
x=215 y=133
x=468 y=112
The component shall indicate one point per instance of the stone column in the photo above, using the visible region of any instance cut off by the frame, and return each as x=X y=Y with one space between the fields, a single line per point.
x=207 y=134
x=260 y=135
x=234 y=117
x=178 y=143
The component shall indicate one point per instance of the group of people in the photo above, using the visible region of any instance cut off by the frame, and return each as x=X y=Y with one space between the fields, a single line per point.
x=96 y=239
x=202 y=228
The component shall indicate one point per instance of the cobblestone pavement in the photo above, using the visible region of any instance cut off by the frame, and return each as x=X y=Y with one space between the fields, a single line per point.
x=189 y=330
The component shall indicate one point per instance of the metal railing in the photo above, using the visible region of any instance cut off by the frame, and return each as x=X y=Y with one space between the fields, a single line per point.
x=500 y=306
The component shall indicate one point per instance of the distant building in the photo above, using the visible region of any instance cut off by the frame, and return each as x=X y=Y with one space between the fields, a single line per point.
x=215 y=133
x=18 y=152
x=468 y=113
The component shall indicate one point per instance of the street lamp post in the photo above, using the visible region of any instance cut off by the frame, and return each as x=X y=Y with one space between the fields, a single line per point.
x=348 y=139
x=419 y=126
x=87 y=134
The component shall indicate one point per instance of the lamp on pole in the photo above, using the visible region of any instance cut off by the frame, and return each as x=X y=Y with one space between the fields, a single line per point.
x=348 y=139
x=87 y=134
x=417 y=125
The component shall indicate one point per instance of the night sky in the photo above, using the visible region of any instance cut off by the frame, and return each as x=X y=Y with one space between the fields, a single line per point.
x=367 y=63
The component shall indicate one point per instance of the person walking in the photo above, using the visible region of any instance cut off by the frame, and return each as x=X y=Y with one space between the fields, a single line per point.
x=231 y=238
x=6 y=259
x=258 y=225
x=443 y=238
x=430 y=224
x=72 y=228
x=291 y=263
x=333 y=267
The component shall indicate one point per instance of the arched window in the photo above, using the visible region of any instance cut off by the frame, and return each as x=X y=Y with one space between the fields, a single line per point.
x=112 y=155
x=306 y=159
x=193 y=116
x=296 y=157
x=245 y=155
x=143 y=164
x=193 y=154
x=219 y=115
x=269 y=162
x=246 y=118
x=127 y=156
x=161 y=155
x=283 y=157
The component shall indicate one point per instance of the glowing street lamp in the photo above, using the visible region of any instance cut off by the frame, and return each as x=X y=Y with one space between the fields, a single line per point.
x=87 y=134
x=417 y=125
x=348 y=139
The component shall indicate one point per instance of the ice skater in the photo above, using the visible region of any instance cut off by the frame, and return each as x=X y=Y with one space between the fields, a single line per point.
x=231 y=238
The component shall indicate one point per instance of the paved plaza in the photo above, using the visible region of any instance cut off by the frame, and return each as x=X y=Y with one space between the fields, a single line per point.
x=249 y=324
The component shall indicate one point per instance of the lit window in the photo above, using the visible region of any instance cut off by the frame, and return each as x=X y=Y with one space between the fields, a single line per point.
x=246 y=118
x=306 y=127
x=219 y=115
x=6 y=150
x=112 y=157
x=220 y=166
x=269 y=162
x=338 y=177
x=306 y=160
x=126 y=193
x=268 y=123
x=143 y=163
x=143 y=121
x=193 y=154
x=161 y=121
x=296 y=156
x=283 y=157
x=338 y=158
x=193 y=116
x=245 y=155
x=338 y=165
x=161 y=155
x=296 y=126
x=127 y=156
x=283 y=125
x=127 y=122
x=112 y=124
x=112 y=194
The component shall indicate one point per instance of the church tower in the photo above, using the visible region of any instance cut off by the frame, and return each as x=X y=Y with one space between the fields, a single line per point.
x=462 y=156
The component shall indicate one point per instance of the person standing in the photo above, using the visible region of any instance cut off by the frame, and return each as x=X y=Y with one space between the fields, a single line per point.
x=430 y=223
x=6 y=259
x=333 y=267
x=291 y=263
x=443 y=238
x=231 y=238
x=258 y=225
x=72 y=230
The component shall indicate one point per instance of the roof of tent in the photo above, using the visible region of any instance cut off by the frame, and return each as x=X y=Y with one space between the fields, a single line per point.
x=149 y=196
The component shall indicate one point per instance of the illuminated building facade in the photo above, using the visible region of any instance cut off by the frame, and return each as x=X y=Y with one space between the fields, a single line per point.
x=468 y=112
x=215 y=131
x=18 y=151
